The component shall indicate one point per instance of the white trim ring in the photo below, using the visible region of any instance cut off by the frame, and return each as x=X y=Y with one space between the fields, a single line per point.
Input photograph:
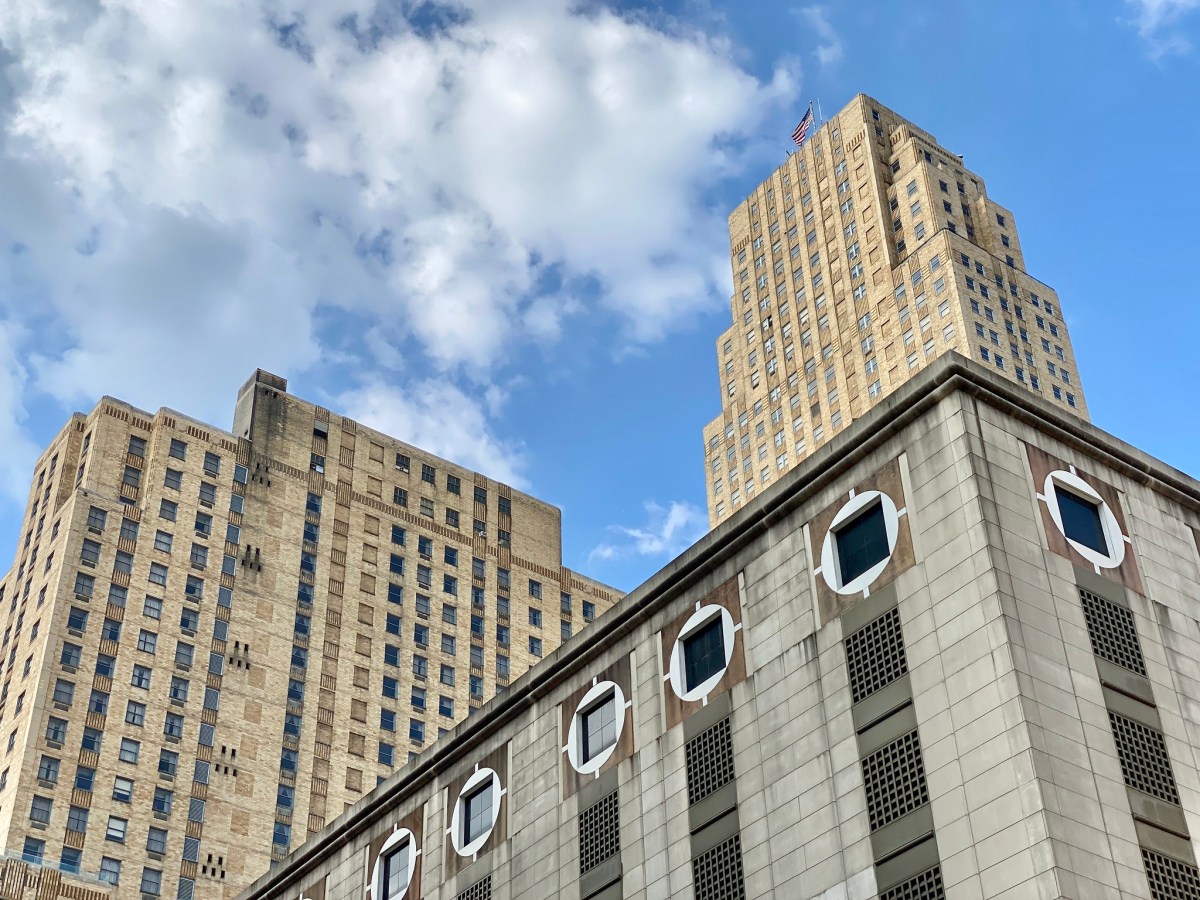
x=455 y=830
x=697 y=620
x=1113 y=536
x=830 y=568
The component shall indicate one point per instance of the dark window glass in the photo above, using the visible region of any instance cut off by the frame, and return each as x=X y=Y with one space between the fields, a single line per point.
x=477 y=812
x=395 y=870
x=600 y=726
x=1081 y=521
x=861 y=543
x=704 y=653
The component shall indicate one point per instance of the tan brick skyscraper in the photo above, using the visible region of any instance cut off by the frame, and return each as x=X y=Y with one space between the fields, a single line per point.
x=215 y=642
x=869 y=252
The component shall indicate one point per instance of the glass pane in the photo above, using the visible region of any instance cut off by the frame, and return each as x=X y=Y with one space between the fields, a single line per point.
x=395 y=871
x=861 y=543
x=478 y=809
x=1081 y=521
x=704 y=653
x=600 y=727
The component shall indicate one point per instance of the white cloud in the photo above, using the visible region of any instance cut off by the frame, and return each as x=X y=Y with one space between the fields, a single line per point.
x=668 y=531
x=829 y=45
x=1156 y=21
x=19 y=451
x=436 y=416
x=188 y=191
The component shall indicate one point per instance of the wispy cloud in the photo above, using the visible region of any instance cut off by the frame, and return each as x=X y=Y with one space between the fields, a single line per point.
x=829 y=44
x=439 y=417
x=1158 y=23
x=667 y=532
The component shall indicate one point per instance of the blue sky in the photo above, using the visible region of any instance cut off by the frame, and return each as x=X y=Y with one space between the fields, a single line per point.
x=497 y=230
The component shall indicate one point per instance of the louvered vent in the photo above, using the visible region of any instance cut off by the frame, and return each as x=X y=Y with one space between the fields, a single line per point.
x=709 y=757
x=925 y=886
x=1169 y=878
x=717 y=873
x=895 y=780
x=1114 y=636
x=599 y=833
x=1144 y=760
x=480 y=890
x=875 y=655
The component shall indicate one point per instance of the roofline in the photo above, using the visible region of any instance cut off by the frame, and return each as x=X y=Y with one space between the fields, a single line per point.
x=947 y=375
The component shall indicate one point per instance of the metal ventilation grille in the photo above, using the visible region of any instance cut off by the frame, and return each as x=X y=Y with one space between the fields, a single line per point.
x=599 y=833
x=1144 y=760
x=709 y=758
x=875 y=655
x=925 y=886
x=717 y=873
x=1114 y=636
x=895 y=780
x=480 y=890
x=1169 y=878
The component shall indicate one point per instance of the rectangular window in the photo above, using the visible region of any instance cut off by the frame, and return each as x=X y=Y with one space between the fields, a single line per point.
x=135 y=713
x=704 y=653
x=861 y=543
x=477 y=813
x=1081 y=520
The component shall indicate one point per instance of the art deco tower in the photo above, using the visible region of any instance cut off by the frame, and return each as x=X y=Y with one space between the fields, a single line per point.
x=215 y=642
x=868 y=253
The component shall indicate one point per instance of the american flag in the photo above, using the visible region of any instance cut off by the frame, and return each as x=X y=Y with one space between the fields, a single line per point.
x=801 y=131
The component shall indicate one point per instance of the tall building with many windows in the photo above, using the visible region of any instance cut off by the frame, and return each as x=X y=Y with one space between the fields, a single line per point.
x=215 y=642
x=868 y=253
x=954 y=657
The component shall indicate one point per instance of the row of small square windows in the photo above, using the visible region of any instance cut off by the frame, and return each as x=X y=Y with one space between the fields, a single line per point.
x=34 y=851
x=123 y=790
x=1034 y=382
x=392 y=654
x=453 y=483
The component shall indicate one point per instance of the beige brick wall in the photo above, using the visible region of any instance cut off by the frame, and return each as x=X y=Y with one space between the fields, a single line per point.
x=823 y=255
x=251 y=633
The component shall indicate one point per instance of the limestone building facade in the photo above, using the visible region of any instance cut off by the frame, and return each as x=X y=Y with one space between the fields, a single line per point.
x=950 y=655
x=870 y=252
x=215 y=642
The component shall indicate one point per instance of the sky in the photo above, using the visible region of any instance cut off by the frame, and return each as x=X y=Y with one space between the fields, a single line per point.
x=496 y=228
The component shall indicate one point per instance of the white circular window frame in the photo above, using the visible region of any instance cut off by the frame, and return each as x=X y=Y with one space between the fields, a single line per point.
x=697 y=620
x=574 y=747
x=830 y=570
x=477 y=778
x=1113 y=535
x=396 y=837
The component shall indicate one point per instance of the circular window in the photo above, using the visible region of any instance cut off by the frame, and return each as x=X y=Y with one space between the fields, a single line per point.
x=596 y=727
x=476 y=811
x=391 y=881
x=702 y=652
x=860 y=542
x=1084 y=519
